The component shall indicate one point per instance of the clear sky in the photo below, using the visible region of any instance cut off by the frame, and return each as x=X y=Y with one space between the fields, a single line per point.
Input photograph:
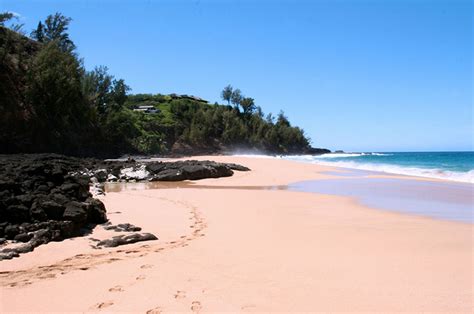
x=357 y=75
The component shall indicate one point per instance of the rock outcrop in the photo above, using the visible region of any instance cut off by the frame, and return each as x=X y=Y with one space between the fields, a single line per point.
x=46 y=197
x=127 y=239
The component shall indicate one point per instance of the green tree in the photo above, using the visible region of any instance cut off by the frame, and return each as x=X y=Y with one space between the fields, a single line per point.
x=236 y=97
x=248 y=105
x=282 y=119
x=8 y=16
x=119 y=93
x=54 y=92
x=5 y=17
x=55 y=29
x=226 y=94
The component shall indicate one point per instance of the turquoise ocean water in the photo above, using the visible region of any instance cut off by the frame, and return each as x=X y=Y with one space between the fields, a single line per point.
x=453 y=166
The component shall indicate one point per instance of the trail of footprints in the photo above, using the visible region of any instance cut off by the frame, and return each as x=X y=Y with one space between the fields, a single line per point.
x=195 y=306
x=87 y=261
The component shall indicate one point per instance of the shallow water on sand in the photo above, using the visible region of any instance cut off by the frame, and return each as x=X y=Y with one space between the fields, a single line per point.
x=441 y=200
x=137 y=186
x=445 y=200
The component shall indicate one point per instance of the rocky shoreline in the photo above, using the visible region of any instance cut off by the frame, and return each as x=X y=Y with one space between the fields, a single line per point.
x=47 y=197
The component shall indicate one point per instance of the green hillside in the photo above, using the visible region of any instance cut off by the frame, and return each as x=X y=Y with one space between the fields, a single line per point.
x=50 y=103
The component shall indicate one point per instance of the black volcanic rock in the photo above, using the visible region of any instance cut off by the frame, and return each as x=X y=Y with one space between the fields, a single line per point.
x=127 y=239
x=122 y=227
x=75 y=212
x=45 y=197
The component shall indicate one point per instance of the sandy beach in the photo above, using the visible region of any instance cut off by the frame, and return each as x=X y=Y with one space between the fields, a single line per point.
x=247 y=244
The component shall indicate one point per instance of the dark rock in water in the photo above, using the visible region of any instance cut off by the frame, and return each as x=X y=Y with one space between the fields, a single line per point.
x=169 y=175
x=127 y=239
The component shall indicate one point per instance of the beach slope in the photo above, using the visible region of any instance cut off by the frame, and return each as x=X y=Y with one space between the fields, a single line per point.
x=246 y=244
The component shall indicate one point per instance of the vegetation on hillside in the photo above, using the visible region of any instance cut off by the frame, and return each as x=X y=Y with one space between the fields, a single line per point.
x=50 y=103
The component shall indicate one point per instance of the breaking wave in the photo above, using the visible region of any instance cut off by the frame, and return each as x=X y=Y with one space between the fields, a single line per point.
x=434 y=173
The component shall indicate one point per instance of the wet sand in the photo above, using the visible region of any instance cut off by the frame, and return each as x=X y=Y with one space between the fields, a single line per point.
x=247 y=244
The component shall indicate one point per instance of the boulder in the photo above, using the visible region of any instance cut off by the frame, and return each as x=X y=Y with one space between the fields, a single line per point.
x=53 y=210
x=11 y=231
x=23 y=237
x=75 y=212
x=96 y=211
x=127 y=239
x=169 y=175
x=18 y=213
x=125 y=227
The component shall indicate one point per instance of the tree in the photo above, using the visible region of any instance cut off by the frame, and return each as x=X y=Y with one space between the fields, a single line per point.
x=282 y=119
x=226 y=94
x=38 y=34
x=236 y=97
x=119 y=93
x=54 y=92
x=5 y=17
x=55 y=29
x=248 y=105
x=97 y=86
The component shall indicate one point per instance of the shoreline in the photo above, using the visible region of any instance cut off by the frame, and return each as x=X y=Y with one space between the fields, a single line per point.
x=373 y=173
x=252 y=250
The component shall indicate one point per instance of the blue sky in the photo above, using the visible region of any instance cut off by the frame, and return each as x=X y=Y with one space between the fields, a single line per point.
x=356 y=75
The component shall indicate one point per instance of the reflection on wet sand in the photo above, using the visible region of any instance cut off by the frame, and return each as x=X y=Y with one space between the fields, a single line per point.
x=137 y=186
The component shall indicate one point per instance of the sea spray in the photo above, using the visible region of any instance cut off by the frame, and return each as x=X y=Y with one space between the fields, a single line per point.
x=453 y=166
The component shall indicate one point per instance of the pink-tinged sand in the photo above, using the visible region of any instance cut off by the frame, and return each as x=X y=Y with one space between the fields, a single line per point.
x=237 y=249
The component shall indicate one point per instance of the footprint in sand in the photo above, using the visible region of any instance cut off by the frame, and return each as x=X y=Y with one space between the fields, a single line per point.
x=141 y=277
x=156 y=310
x=146 y=266
x=103 y=305
x=196 y=306
x=180 y=294
x=132 y=251
x=116 y=289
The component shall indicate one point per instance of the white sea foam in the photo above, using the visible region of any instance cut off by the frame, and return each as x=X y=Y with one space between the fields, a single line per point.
x=325 y=159
x=348 y=155
x=409 y=171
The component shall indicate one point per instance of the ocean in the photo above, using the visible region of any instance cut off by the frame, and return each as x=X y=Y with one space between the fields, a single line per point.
x=453 y=166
